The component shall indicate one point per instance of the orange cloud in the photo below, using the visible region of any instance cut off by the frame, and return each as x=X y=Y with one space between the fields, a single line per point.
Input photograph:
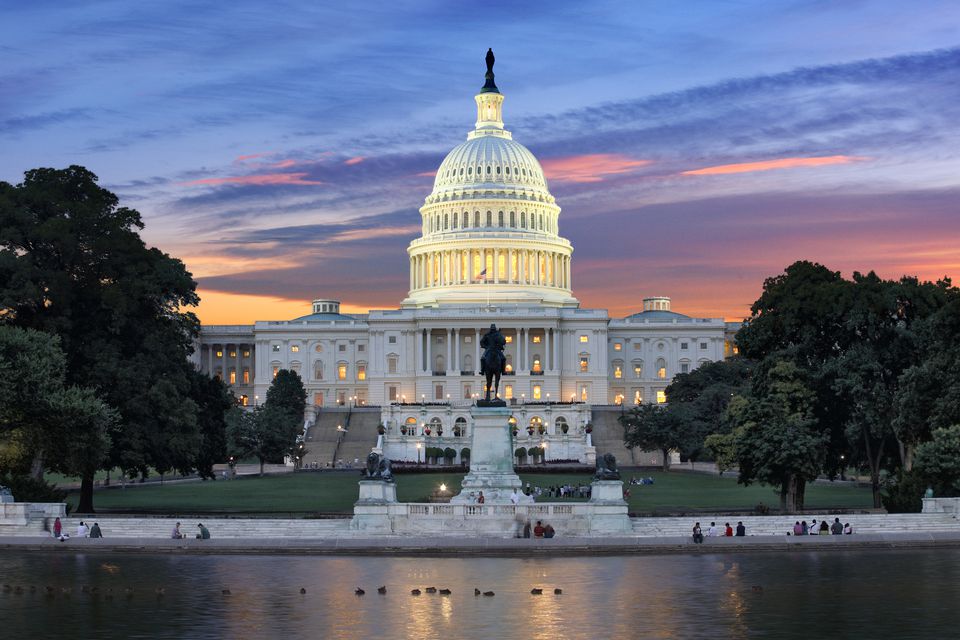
x=768 y=165
x=591 y=167
x=354 y=160
x=427 y=174
x=259 y=179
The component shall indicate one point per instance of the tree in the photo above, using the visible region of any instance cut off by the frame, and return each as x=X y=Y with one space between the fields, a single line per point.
x=213 y=401
x=778 y=440
x=699 y=399
x=270 y=431
x=939 y=460
x=72 y=263
x=652 y=427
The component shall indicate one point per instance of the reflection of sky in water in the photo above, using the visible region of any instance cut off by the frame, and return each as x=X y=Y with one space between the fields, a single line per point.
x=853 y=594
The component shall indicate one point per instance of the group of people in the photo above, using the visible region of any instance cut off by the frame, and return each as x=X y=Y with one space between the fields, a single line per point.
x=539 y=530
x=204 y=533
x=83 y=531
x=801 y=528
x=641 y=481
x=716 y=532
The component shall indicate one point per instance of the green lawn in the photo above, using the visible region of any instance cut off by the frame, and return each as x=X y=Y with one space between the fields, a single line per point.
x=337 y=491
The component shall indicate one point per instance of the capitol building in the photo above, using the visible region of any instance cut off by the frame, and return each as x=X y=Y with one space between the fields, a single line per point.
x=490 y=251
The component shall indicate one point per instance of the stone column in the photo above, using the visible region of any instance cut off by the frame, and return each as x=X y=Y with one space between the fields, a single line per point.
x=476 y=348
x=236 y=366
x=553 y=345
x=449 y=350
x=223 y=363
x=456 y=350
x=429 y=340
x=210 y=360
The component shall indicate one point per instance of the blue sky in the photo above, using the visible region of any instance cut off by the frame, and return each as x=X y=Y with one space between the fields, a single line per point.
x=282 y=149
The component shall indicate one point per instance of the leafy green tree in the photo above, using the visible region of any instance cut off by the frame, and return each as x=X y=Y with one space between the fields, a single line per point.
x=654 y=428
x=213 y=400
x=270 y=431
x=939 y=460
x=778 y=439
x=72 y=263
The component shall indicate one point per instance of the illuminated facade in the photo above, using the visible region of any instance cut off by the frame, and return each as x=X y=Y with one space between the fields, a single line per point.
x=490 y=252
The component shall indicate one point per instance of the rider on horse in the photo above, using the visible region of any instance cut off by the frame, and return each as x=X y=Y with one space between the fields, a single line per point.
x=493 y=363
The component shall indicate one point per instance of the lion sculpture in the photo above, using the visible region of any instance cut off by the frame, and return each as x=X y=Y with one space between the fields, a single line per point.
x=607 y=467
x=378 y=468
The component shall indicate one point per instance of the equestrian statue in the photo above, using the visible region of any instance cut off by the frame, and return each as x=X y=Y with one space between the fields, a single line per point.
x=493 y=363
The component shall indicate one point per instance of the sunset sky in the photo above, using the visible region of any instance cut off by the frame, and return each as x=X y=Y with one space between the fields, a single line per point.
x=282 y=149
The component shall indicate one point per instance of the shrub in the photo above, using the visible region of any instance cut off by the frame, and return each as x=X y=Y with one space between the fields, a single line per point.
x=449 y=455
x=464 y=454
x=27 y=489
x=905 y=494
x=521 y=452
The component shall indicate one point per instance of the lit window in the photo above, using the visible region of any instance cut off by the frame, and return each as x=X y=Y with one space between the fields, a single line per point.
x=341 y=372
x=584 y=339
x=536 y=339
x=638 y=370
x=295 y=348
x=536 y=365
x=536 y=392
x=361 y=372
x=244 y=401
x=233 y=354
x=637 y=397
x=233 y=376
x=219 y=353
x=508 y=391
x=618 y=399
x=683 y=346
x=583 y=393
x=318 y=398
x=509 y=339
x=246 y=353
x=276 y=348
x=246 y=376
x=275 y=371
x=617 y=346
x=703 y=345
x=661 y=397
x=467 y=392
x=584 y=364
x=662 y=373
x=508 y=368
x=617 y=372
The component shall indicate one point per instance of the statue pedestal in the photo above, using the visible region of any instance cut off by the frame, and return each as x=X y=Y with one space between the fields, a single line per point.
x=377 y=492
x=371 y=513
x=491 y=458
x=609 y=514
x=607 y=491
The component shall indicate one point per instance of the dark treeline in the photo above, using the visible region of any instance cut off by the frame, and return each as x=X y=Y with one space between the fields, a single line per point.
x=831 y=373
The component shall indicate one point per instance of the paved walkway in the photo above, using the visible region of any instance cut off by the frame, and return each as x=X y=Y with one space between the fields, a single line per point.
x=500 y=547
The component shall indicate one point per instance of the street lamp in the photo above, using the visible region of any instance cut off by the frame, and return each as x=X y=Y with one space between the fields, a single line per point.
x=418 y=452
x=548 y=398
x=256 y=400
x=523 y=398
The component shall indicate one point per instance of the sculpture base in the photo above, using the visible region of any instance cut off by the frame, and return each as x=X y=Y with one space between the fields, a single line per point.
x=607 y=491
x=491 y=403
x=491 y=458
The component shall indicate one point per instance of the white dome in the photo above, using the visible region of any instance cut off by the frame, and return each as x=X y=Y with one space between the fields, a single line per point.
x=489 y=162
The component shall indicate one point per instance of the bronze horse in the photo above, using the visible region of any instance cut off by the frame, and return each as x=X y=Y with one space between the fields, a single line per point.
x=493 y=363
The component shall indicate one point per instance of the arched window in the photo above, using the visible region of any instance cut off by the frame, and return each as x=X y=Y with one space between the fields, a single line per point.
x=392 y=363
x=618 y=369
x=489 y=218
x=560 y=423
x=466 y=220
x=637 y=368
x=509 y=366
x=536 y=423
x=468 y=362
x=476 y=218
x=500 y=219
x=460 y=427
x=523 y=219
x=513 y=218
x=446 y=221
x=455 y=219
x=439 y=364
x=536 y=364
x=661 y=368
x=318 y=369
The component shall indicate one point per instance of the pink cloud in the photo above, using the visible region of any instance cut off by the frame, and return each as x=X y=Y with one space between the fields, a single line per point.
x=591 y=167
x=768 y=165
x=259 y=179
x=354 y=160
x=251 y=156
x=427 y=174
x=284 y=164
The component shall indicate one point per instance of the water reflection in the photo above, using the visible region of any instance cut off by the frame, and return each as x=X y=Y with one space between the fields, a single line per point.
x=852 y=594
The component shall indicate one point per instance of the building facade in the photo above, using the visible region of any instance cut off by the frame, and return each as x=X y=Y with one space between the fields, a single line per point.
x=490 y=252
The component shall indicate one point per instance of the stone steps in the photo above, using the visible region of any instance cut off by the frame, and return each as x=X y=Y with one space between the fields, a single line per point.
x=131 y=527
x=780 y=525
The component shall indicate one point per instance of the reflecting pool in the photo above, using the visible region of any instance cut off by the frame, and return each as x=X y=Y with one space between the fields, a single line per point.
x=855 y=594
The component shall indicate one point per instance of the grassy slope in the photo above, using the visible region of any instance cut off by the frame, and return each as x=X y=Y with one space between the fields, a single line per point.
x=336 y=492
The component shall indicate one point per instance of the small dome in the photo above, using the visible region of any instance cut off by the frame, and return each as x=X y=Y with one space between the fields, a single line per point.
x=490 y=162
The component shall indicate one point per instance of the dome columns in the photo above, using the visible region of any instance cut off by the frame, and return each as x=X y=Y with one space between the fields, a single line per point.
x=504 y=266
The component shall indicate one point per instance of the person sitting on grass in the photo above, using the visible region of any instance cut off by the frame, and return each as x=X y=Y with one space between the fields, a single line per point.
x=204 y=533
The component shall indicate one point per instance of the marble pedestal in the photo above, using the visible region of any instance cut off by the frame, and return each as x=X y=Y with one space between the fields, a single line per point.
x=371 y=513
x=491 y=458
x=609 y=514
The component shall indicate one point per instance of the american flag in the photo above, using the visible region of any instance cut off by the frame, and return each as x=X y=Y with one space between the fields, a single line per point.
x=482 y=275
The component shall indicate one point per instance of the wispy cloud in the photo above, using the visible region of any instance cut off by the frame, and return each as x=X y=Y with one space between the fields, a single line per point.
x=354 y=160
x=592 y=167
x=769 y=165
x=299 y=178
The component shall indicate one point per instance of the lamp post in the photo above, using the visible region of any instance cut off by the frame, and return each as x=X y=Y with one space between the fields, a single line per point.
x=256 y=400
